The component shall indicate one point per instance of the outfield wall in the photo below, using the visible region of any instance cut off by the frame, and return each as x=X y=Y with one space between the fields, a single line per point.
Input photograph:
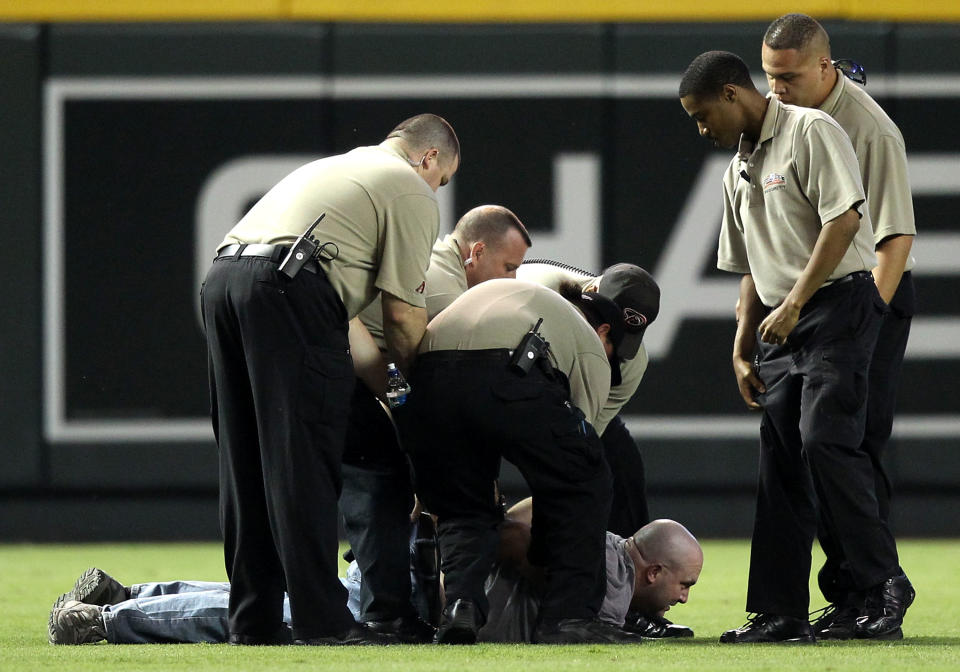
x=129 y=149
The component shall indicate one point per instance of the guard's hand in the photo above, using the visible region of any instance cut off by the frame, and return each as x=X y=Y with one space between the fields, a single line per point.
x=748 y=382
x=417 y=508
x=778 y=324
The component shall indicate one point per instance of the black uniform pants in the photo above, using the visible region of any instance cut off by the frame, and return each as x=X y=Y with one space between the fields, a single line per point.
x=811 y=434
x=628 y=511
x=280 y=382
x=465 y=412
x=835 y=576
x=375 y=504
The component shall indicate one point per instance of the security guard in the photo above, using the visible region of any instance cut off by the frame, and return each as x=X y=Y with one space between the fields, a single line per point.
x=796 y=58
x=792 y=227
x=486 y=373
x=281 y=372
x=489 y=241
x=629 y=511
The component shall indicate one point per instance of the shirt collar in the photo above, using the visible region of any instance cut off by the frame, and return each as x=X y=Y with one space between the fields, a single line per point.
x=390 y=149
x=829 y=105
x=453 y=245
x=767 y=130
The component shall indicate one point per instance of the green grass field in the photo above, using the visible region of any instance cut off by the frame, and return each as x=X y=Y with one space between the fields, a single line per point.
x=33 y=575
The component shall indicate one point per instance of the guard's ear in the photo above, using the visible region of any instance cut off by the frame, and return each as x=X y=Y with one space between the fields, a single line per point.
x=729 y=93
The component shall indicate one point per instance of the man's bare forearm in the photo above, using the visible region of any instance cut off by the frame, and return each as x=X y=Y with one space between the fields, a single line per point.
x=832 y=243
x=403 y=328
x=749 y=315
x=368 y=362
x=892 y=255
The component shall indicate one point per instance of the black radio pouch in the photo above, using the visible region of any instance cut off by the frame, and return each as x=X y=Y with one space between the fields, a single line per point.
x=532 y=347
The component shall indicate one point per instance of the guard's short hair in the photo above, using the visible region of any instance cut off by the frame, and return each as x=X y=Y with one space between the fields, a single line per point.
x=490 y=224
x=709 y=72
x=425 y=131
x=794 y=31
x=573 y=293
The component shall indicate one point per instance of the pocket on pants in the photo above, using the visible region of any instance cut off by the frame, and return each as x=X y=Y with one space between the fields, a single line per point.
x=517 y=390
x=843 y=376
x=579 y=450
x=326 y=385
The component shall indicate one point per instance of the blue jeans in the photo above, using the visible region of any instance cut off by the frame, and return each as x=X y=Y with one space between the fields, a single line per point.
x=188 y=612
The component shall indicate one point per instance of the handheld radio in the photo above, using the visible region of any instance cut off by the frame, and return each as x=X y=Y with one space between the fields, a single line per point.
x=303 y=250
x=531 y=348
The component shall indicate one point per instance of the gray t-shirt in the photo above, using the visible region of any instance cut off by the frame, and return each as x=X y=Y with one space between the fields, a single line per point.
x=515 y=603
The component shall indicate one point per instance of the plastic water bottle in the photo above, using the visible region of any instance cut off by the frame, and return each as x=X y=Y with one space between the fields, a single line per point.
x=397 y=386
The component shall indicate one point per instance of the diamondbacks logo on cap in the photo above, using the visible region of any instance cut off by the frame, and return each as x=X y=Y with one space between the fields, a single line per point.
x=633 y=318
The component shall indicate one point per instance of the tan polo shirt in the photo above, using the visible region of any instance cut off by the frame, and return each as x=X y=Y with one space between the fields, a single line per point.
x=446 y=280
x=801 y=174
x=381 y=215
x=631 y=370
x=497 y=314
x=882 y=155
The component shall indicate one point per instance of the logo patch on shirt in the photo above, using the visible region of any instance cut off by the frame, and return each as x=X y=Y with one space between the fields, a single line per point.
x=423 y=286
x=774 y=182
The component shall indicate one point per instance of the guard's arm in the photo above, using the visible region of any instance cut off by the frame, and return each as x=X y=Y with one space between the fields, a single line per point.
x=403 y=328
x=892 y=255
x=749 y=314
x=368 y=362
x=832 y=243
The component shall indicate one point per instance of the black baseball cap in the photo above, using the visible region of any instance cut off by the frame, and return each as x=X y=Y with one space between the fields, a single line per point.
x=637 y=296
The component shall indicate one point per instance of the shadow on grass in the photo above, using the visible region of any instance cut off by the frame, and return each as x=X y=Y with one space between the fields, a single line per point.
x=922 y=641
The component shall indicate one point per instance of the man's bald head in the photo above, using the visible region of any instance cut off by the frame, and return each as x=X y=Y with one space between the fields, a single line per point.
x=668 y=543
x=668 y=560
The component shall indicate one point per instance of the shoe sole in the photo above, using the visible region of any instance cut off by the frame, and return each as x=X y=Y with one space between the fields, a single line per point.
x=798 y=640
x=836 y=637
x=93 y=587
x=885 y=636
x=51 y=627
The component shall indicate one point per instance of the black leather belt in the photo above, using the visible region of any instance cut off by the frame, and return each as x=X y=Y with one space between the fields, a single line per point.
x=275 y=253
x=852 y=276
x=443 y=357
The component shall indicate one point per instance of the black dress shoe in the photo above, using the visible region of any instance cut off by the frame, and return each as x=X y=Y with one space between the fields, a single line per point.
x=583 y=631
x=886 y=606
x=837 y=621
x=770 y=628
x=407 y=629
x=654 y=627
x=459 y=624
x=357 y=634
